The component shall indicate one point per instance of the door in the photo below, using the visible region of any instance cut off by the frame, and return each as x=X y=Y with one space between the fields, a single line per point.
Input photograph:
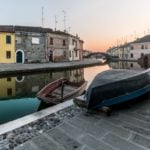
x=50 y=55
x=19 y=57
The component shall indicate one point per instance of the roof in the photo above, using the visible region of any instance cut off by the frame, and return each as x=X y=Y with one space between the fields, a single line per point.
x=11 y=28
x=143 y=39
x=6 y=28
x=32 y=29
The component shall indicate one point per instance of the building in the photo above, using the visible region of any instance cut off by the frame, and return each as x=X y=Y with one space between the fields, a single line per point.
x=7 y=45
x=132 y=51
x=139 y=48
x=37 y=44
x=30 y=44
x=62 y=46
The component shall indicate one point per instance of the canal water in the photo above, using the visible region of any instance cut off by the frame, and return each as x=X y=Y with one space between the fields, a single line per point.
x=18 y=93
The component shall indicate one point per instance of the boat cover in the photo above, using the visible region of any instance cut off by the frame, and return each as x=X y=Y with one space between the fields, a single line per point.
x=113 y=82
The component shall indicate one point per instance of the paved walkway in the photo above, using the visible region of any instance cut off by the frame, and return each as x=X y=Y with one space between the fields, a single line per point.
x=26 y=68
x=126 y=129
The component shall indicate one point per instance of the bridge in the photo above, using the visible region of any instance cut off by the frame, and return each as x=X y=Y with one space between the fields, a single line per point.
x=99 y=55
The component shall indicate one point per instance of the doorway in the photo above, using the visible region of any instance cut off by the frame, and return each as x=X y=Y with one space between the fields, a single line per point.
x=19 y=56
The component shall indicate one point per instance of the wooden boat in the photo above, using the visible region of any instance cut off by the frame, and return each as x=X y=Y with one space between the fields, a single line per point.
x=61 y=90
x=113 y=87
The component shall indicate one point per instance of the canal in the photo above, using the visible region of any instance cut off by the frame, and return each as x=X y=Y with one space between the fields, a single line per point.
x=18 y=93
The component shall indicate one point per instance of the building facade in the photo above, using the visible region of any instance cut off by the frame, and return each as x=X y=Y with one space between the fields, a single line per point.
x=30 y=44
x=7 y=46
x=139 y=49
x=132 y=51
x=36 y=44
x=63 y=47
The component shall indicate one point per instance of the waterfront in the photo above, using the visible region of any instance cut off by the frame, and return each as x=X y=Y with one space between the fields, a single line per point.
x=18 y=93
x=25 y=135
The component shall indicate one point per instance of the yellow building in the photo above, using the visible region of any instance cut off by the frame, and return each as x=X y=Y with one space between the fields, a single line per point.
x=7 y=47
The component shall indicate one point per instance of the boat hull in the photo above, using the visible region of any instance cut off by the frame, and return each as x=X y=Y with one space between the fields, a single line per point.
x=115 y=91
x=47 y=95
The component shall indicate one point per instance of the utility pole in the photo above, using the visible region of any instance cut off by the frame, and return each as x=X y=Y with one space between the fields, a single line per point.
x=42 y=16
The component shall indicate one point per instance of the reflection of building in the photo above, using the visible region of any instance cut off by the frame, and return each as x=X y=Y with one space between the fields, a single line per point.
x=7 y=87
x=29 y=85
x=76 y=75
x=124 y=65
x=7 y=45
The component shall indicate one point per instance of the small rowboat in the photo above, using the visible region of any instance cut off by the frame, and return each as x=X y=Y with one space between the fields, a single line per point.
x=114 y=87
x=61 y=90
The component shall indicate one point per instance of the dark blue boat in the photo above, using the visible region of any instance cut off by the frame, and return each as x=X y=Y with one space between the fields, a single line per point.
x=114 y=87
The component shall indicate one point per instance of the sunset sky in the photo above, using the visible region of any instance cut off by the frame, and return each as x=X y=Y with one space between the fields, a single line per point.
x=100 y=23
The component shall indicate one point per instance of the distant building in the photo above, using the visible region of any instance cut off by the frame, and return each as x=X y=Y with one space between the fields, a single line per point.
x=132 y=51
x=139 y=48
x=36 y=44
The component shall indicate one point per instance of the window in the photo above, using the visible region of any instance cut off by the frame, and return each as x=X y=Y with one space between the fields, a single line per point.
x=8 y=39
x=142 y=46
x=9 y=91
x=64 y=43
x=76 y=53
x=131 y=55
x=132 y=47
x=8 y=79
x=72 y=41
x=51 y=41
x=8 y=54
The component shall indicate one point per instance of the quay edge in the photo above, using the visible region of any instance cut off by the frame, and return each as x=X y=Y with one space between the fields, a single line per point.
x=12 y=69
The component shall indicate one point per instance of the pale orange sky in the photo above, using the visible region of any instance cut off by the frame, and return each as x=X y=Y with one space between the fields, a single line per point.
x=100 y=23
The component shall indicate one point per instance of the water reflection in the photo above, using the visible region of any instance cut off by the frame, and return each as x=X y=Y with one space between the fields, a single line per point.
x=18 y=94
x=125 y=65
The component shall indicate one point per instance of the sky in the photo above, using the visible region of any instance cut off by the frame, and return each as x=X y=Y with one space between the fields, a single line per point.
x=101 y=24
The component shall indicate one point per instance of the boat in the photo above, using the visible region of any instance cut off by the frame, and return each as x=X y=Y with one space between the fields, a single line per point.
x=61 y=90
x=113 y=87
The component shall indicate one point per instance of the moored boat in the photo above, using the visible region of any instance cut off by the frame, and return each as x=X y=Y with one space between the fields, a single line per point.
x=61 y=90
x=114 y=87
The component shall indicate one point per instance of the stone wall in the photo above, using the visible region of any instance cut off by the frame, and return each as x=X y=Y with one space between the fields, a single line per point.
x=33 y=45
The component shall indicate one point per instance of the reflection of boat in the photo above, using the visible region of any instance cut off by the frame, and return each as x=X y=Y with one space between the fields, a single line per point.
x=61 y=90
x=114 y=87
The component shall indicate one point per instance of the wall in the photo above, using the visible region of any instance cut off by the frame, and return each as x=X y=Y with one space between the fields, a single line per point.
x=33 y=45
x=7 y=47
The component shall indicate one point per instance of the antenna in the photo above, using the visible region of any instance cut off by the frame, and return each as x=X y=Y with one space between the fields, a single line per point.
x=64 y=20
x=56 y=22
x=42 y=16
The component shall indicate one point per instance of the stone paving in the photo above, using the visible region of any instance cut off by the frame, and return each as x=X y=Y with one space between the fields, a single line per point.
x=128 y=128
